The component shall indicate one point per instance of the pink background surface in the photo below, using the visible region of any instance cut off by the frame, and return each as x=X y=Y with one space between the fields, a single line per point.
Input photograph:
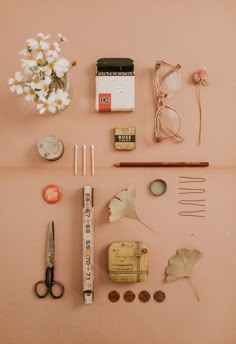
x=192 y=33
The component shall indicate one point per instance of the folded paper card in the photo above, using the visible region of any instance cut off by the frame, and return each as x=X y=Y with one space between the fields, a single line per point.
x=115 y=85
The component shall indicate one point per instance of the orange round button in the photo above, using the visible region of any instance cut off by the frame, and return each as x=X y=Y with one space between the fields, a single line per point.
x=52 y=193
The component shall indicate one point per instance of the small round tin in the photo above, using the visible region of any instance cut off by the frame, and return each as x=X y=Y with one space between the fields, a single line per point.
x=50 y=148
x=158 y=187
x=52 y=193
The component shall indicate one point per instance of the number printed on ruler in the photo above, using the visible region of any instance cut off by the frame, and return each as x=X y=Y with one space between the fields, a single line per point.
x=88 y=242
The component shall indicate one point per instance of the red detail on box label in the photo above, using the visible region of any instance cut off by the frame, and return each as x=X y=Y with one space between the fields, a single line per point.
x=104 y=100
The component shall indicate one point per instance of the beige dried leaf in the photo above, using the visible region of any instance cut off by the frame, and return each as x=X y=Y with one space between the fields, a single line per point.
x=181 y=265
x=122 y=205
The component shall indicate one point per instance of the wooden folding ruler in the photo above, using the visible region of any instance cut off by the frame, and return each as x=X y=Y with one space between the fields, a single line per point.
x=88 y=245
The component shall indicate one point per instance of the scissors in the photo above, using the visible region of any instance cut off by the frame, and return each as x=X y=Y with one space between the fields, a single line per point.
x=49 y=286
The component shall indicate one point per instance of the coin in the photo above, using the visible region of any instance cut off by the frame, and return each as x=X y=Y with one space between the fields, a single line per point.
x=129 y=296
x=114 y=296
x=144 y=296
x=159 y=296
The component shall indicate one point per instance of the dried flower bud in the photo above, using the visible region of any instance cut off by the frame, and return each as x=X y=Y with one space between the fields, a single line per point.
x=200 y=76
x=74 y=63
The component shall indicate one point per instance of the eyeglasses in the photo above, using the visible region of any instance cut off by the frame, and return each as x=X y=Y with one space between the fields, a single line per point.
x=167 y=119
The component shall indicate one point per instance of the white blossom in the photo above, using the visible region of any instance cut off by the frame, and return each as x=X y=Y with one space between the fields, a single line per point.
x=16 y=83
x=53 y=50
x=47 y=104
x=30 y=94
x=61 y=67
x=43 y=80
x=62 y=99
x=42 y=86
x=28 y=64
x=38 y=42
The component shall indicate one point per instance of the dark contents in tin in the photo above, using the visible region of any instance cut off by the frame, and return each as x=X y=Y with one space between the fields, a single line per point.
x=114 y=296
x=129 y=296
x=144 y=296
x=159 y=296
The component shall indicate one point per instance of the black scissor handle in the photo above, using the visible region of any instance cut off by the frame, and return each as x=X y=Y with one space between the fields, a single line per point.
x=43 y=294
x=58 y=289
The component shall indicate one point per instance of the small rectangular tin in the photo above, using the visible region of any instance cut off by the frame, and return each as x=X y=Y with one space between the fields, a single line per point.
x=125 y=138
x=128 y=261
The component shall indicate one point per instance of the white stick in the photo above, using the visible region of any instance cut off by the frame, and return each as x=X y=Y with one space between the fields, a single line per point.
x=84 y=159
x=92 y=159
x=76 y=160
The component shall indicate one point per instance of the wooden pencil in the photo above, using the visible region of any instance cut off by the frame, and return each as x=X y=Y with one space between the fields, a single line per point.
x=162 y=164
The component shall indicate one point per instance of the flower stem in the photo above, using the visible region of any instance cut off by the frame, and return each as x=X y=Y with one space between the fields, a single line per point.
x=194 y=288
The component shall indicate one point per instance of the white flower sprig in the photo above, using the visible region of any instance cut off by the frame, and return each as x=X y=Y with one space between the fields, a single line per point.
x=45 y=74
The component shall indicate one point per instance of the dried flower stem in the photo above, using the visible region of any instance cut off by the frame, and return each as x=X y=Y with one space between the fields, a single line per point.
x=200 y=113
x=193 y=285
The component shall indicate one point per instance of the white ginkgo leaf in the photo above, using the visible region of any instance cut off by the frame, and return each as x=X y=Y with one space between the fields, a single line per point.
x=181 y=265
x=122 y=205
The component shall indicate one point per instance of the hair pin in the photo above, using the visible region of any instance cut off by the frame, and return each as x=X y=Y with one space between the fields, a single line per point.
x=200 y=78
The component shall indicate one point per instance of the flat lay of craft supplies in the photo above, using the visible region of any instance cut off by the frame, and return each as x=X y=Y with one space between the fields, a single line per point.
x=88 y=244
x=127 y=261
x=118 y=172
x=49 y=286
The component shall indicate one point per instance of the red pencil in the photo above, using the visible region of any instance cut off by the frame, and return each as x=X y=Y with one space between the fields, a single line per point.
x=162 y=164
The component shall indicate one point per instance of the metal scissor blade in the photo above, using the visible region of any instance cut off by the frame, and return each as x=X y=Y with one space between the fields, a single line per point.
x=50 y=248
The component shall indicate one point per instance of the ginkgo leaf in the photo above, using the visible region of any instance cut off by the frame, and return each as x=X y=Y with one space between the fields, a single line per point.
x=181 y=266
x=122 y=205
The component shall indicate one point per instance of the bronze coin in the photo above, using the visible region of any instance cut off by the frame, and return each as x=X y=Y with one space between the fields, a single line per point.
x=129 y=296
x=159 y=296
x=114 y=296
x=144 y=296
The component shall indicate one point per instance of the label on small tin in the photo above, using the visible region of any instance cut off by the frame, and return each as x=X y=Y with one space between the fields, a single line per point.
x=127 y=261
x=125 y=138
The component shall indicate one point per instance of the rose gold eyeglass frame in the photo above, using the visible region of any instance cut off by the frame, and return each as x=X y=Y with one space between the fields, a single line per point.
x=160 y=127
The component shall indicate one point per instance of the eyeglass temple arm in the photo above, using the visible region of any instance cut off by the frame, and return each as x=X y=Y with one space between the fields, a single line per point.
x=157 y=128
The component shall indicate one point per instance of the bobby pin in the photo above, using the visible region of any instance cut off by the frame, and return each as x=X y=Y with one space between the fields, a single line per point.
x=193 y=213
x=192 y=202
x=192 y=179
x=191 y=191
